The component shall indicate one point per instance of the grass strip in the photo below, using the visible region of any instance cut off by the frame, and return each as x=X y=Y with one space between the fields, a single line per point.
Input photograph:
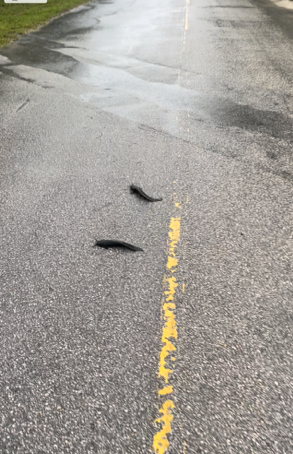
x=17 y=19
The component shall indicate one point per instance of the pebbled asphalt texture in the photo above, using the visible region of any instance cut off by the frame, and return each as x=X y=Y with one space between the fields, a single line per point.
x=193 y=102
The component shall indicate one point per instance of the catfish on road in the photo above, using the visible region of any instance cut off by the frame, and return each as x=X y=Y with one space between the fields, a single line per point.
x=184 y=347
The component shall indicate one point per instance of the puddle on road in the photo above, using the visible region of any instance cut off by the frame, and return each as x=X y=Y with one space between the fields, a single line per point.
x=74 y=22
x=37 y=48
x=132 y=79
x=37 y=56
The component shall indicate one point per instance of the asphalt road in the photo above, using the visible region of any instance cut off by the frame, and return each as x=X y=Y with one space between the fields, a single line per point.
x=186 y=347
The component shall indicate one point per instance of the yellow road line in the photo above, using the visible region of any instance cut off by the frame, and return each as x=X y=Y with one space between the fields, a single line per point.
x=186 y=15
x=169 y=336
x=184 y=447
x=185 y=24
x=166 y=390
x=161 y=443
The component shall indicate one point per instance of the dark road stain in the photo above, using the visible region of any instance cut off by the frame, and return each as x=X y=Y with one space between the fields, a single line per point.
x=23 y=105
x=237 y=24
x=286 y=175
x=271 y=155
x=9 y=72
x=104 y=206
x=282 y=17
x=268 y=122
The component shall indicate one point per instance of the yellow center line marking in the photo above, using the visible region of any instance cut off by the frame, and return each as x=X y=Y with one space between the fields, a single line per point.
x=166 y=390
x=171 y=262
x=160 y=439
x=184 y=447
x=186 y=15
x=169 y=337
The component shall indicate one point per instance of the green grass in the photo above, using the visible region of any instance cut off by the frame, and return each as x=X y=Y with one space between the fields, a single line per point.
x=17 y=19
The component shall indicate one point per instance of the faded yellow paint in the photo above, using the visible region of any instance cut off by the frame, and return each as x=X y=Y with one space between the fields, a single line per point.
x=172 y=247
x=184 y=447
x=169 y=329
x=161 y=442
x=169 y=306
x=174 y=233
x=186 y=16
x=186 y=26
x=171 y=262
x=164 y=372
x=169 y=337
x=166 y=390
x=172 y=286
x=183 y=288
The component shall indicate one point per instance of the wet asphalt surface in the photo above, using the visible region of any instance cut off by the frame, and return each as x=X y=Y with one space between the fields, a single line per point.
x=192 y=101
